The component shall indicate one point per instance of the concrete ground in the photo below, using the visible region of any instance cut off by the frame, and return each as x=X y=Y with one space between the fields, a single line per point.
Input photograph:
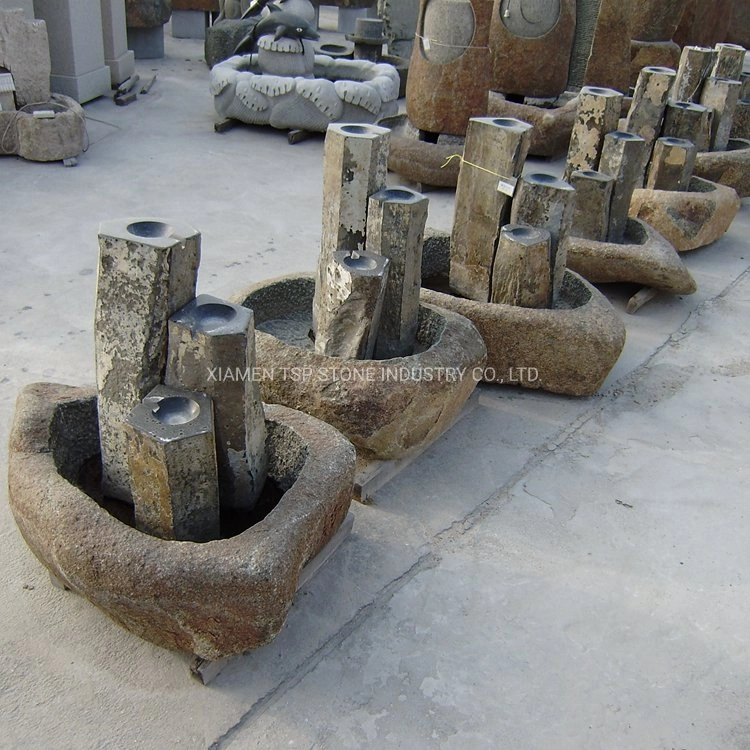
x=552 y=573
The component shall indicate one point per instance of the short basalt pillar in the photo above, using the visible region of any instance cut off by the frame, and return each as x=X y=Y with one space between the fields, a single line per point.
x=147 y=271
x=591 y=204
x=721 y=95
x=623 y=157
x=212 y=350
x=649 y=102
x=494 y=155
x=355 y=165
x=695 y=64
x=395 y=228
x=172 y=462
x=598 y=114
x=690 y=121
x=672 y=164
x=348 y=309
x=545 y=202
x=522 y=272
x=729 y=61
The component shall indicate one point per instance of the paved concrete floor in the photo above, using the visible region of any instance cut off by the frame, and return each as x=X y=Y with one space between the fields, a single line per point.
x=554 y=572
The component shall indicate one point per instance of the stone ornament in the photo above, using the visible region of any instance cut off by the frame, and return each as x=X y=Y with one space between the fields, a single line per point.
x=340 y=91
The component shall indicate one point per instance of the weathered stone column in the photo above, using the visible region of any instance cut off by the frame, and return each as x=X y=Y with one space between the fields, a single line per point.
x=172 y=460
x=591 y=205
x=623 y=157
x=649 y=102
x=522 y=271
x=348 y=311
x=212 y=350
x=355 y=165
x=494 y=155
x=730 y=59
x=695 y=64
x=721 y=95
x=672 y=164
x=395 y=229
x=147 y=271
x=690 y=121
x=545 y=202
x=598 y=114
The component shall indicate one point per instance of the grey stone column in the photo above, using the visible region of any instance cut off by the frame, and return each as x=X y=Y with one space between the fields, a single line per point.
x=649 y=102
x=623 y=157
x=598 y=114
x=212 y=350
x=591 y=204
x=395 y=229
x=545 y=202
x=730 y=59
x=721 y=95
x=172 y=462
x=690 y=121
x=349 y=308
x=672 y=164
x=355 y=165
x=147 y=271
x=494 y=155
x=694 y=67
x=522 y=271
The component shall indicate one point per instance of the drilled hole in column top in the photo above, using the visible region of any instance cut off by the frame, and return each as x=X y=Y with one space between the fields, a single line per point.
x=360 y=263
x=214 y=315
x=174 y=410
x=150 y=229
x=396 y=194
x=356 y=129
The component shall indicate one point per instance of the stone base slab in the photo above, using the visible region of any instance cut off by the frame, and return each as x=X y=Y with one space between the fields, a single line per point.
x=214 y=599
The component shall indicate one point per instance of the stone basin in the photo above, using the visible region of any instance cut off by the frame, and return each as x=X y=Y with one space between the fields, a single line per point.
x=645 y=257
x=387 y=408
x=569 y=349
x=690 y=218
x=730 y=167
x=212 y=599
x=340 y=90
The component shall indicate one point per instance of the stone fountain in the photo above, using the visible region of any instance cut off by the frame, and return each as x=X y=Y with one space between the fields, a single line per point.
x=170 y=496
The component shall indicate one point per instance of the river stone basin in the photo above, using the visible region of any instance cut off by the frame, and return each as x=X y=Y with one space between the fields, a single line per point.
x=340 y=91
x=730 y=167
x=387 y=408
x=645 y=257
x=49 y=139
x=691 y=218
x=569 y=349
x=212 y=599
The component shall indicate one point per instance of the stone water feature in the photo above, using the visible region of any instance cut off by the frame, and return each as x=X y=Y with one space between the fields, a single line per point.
x=34 y=123
x=170 y=496
x=286 y=85
x=391 y=379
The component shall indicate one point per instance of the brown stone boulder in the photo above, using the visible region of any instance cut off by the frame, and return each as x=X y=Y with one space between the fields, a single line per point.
x=739 y=26
x=424 y=162
x=659 y=54
x=388 y=407
x=645 y=257
x=730 y=167
x=691 y=218
x=145 y=14
x=703 y=24
x=212 y=599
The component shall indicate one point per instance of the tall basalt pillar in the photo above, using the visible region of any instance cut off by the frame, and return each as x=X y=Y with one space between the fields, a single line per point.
x=449 y=74
x=608 y=61
x=531 y=42
x=147 y=271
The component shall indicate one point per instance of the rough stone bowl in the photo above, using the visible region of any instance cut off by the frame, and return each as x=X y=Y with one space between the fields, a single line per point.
x=690 y=218
x=387 y=408
x=730 y=167
x=212 y=599
x=569 y=349
x=644 y=257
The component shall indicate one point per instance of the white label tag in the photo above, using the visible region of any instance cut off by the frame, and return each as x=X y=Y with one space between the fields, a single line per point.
x=426 y=44
x=507 y=186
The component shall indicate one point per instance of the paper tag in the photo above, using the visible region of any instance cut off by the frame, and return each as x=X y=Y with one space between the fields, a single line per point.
x=426 y=44
x=507 y=186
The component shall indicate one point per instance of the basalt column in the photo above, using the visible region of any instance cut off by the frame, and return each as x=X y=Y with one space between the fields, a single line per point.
x=147 y=271
x=449 y=74
x=531 y=42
